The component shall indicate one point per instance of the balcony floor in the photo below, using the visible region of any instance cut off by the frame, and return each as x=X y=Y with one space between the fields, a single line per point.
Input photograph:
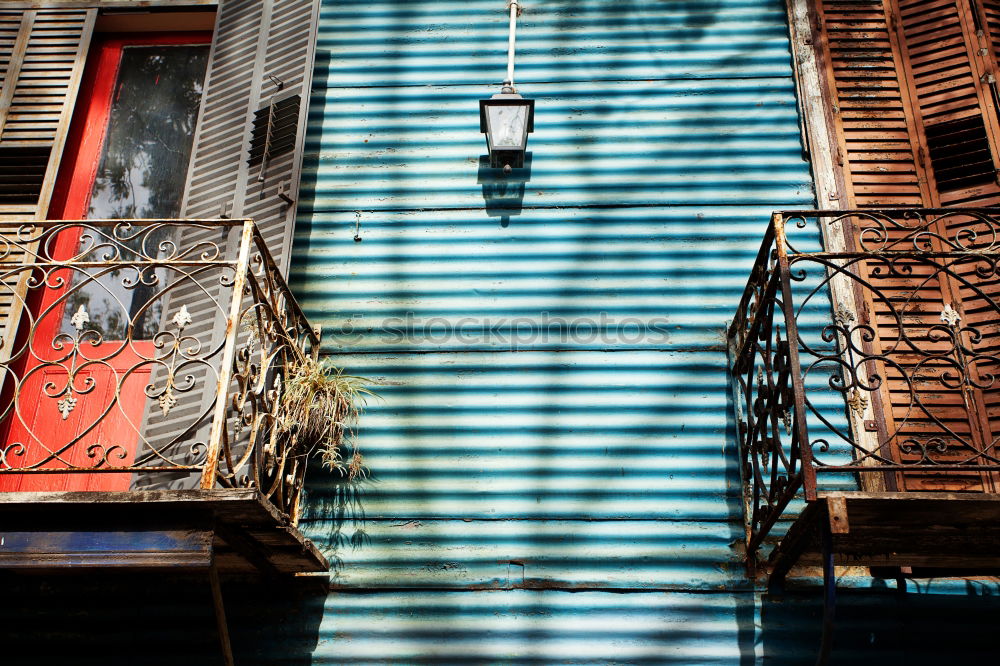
x=936 y=531
x=236 y=530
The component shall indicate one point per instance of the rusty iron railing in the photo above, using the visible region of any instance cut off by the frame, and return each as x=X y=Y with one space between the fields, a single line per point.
x=874 y=365
x=147 y=354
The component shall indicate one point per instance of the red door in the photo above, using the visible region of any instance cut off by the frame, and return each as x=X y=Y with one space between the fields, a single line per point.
x=82 y=388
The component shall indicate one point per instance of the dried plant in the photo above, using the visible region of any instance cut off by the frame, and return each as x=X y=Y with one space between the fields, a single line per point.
x=320 y=406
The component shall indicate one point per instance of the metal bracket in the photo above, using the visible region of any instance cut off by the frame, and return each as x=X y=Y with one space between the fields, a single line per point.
x=836 y=508
x=284 y=191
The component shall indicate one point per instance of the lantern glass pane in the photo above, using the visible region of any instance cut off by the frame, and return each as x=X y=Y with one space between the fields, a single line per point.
x=507 y=124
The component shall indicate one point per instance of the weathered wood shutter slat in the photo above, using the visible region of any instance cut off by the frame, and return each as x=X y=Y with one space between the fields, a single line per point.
x=257 y=44
x=955 y=106
x=218 y=146
x=990 y=11
x=288 y=70
x=42 y=54
x=875 y=121
x=938 y=55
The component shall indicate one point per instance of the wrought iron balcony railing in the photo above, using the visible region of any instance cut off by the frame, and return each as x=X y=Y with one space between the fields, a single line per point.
x=872 y=364
x=147 y=354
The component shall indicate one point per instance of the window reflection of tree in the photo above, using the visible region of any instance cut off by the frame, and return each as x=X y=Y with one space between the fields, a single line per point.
x=141 y=174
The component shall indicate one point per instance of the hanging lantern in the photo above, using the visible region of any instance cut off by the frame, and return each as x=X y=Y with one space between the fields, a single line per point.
x=507 y=119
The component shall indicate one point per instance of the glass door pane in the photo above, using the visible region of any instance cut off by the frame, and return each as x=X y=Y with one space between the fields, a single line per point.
x=140 y=174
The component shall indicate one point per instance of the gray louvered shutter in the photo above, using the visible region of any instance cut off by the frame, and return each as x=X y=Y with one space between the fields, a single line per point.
x=42 y=53
x=260 y=67
x=267 y=48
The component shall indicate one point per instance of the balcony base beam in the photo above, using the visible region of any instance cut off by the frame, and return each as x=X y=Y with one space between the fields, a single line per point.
x=931 y=532
x=237 y=531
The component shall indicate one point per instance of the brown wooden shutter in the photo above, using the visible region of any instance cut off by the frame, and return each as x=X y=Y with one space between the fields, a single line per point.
x=262 y=55
x=876 y=126
x=917 y=127
x=988 y=17
x=914 y=101
x=949 y=78
x=42 y=54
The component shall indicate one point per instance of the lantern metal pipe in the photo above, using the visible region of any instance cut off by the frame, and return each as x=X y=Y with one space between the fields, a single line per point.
x=507 y=118
x=514 y=9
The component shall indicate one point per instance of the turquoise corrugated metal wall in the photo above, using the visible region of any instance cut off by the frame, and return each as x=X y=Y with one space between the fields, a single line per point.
x=110 y=619
x=552 y=474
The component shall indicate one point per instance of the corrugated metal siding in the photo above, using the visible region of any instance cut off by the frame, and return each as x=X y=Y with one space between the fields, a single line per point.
x=626 y=435
x=536 y=494
x=418 y=274
x=97 y=621
x=597 y=143
x=420 y=42
x=554 y=412
x=531 y=627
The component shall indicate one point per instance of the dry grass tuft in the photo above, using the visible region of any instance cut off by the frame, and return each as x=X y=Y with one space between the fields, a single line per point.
x=319 y=412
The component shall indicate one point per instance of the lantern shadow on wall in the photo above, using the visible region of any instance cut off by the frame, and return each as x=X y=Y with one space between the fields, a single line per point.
x=503 y=192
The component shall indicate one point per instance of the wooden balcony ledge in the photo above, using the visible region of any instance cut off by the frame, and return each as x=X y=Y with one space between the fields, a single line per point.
x=941 y=531
x=234 y=531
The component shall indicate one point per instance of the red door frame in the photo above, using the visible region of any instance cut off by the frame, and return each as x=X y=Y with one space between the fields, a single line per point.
x=71 y=201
